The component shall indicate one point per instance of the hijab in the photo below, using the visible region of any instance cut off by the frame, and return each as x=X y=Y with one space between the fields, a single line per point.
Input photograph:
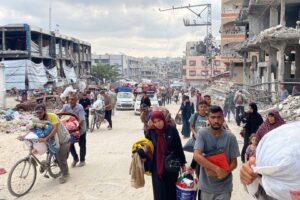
x=254 y=120
x=267 y=126
x=162 y=146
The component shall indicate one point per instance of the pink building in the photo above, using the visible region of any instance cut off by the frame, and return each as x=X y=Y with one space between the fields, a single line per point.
x=196 y=69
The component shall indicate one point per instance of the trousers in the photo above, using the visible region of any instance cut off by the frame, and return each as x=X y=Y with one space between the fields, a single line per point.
x=82 y=146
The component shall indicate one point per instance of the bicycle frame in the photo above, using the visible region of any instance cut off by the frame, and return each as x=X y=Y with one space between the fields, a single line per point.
x=33 y=159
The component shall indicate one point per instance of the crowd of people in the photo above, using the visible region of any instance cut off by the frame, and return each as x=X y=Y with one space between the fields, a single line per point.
x=202 y=122
x=205 y=124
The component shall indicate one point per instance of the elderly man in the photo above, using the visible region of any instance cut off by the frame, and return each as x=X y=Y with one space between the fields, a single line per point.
x=77 y=109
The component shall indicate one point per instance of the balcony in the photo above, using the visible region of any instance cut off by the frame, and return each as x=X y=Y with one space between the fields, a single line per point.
x=240 y=35
x=231 y=13
x=228 y=57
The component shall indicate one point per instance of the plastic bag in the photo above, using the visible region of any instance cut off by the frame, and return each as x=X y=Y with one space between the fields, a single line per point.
x=277 y=160
x=40 y=147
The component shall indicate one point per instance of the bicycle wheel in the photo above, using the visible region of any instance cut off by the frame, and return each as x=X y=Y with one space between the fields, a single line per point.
x=92 y=127
x=53 y=168
x=98 y=122
x=21 y=177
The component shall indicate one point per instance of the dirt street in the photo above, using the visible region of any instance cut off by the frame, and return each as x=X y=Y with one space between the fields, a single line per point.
x=106 y=174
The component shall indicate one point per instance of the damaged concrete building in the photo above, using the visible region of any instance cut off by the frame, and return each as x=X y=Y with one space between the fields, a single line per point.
x=231 y=35
x=33 y=57
x=271 y=53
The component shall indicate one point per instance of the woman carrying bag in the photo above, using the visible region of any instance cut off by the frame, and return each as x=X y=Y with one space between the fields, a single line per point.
x=168 y=157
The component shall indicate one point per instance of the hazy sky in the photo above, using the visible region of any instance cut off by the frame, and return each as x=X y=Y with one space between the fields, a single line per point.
x=132 y=27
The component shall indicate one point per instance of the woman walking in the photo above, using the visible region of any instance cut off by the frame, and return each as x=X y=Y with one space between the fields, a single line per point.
x=274 y=120
x=166 y=140
x=187 y=109
x=252 y=120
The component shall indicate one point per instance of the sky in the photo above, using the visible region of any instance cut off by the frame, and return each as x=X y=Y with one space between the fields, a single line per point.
x=132 y=27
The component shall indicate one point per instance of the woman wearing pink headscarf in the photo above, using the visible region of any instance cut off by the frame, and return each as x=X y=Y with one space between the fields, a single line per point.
x=273 y=121
x=165 y=139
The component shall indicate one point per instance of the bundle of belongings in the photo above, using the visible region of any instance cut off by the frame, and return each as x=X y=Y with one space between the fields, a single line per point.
x=278 y=164
x=41 y=129
x=142 y=155
x=72 y=125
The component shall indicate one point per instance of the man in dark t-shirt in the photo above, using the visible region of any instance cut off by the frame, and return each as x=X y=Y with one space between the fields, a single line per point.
x=145 y=99
x=86 y=104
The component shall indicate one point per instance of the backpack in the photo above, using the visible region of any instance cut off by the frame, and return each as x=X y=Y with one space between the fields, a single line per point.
x=239 y=99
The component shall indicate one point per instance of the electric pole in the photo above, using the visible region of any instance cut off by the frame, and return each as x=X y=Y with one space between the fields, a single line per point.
x=208 y=40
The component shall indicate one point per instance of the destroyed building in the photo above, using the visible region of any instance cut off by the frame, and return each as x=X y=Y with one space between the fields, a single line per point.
x=231 y=35
x=34 y=56
x=272 y=45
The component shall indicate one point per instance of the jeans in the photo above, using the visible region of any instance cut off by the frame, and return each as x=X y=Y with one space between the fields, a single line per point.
x=87 y=121
x=82 y=145
x=238 y=114
x=212 y=196
x=108 y=117
x=62 y=157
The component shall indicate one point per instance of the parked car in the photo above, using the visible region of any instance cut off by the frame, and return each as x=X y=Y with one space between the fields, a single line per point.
x=137 y=105
x=125 y=101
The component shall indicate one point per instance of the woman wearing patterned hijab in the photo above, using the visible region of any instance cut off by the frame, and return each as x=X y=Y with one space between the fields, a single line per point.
x=273 y=121
x=165 y=139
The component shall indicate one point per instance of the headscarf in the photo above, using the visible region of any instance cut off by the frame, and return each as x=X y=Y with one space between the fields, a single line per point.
x=162 y=146
x=253 y=121
x=267 y=126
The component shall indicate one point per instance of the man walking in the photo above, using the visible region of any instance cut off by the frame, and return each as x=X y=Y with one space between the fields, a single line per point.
x=108 y=108
x=229 y=106
x=63 y=136
x=113 y=98
x=198 y=121
x=86 y=104
x=216 y=180
x=145 y=99
x=77 y=109
x=239 y=101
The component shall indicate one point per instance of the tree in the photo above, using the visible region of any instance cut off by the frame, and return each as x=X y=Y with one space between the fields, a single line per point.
x=109 y=72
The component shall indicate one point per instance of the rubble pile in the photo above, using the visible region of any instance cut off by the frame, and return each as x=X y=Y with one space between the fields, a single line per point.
x=289 y=109
x=13 y=121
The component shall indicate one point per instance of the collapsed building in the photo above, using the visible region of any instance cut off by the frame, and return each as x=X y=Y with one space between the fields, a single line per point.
x=34 y=57
x=271 y=52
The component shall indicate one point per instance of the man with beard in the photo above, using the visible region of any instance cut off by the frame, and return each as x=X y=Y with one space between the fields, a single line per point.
x=216 y=181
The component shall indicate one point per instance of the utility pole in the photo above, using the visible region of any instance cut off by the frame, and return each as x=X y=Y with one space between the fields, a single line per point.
x=208 y=40
x=50 y=17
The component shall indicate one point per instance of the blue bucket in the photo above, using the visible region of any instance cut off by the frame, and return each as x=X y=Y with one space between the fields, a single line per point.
x=185 y=194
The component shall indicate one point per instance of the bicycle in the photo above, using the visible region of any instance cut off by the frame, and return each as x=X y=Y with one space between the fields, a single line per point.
x=98 y=118
x=26 y=168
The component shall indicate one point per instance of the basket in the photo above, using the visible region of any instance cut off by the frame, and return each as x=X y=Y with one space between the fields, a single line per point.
x=185 y=194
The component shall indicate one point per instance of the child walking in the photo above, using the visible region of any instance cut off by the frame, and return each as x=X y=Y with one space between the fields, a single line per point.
x=251 y=149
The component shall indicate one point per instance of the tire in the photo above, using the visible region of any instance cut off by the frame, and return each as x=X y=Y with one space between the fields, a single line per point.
x=52 y=165
x=99 y=121
x=92 y=126
x=31 y=167
x=98 y=124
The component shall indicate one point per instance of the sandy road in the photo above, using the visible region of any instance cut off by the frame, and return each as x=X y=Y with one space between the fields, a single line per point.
x=105 y=175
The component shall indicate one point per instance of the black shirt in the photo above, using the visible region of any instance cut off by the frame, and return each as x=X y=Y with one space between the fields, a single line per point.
x=146 y=100
x=85 y=103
